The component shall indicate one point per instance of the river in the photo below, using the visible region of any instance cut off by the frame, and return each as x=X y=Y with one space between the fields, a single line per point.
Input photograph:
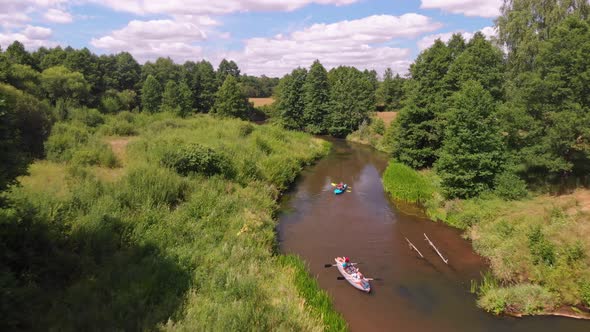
x=414 y=294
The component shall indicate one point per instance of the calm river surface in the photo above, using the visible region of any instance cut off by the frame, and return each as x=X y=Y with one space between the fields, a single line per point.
x=414 y=294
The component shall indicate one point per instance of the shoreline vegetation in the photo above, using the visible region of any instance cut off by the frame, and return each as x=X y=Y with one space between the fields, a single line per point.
x=537 y=247
x=173 y=223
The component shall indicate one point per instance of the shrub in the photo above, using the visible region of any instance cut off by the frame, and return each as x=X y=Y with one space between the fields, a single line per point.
x=64 y=140
x=585 y=292
x=541 y=249
x=152 y=185
x=378 y=126
x=88 y=116
x=509 y=186
x=96 y=153
x=195 y=158
x=245 y=129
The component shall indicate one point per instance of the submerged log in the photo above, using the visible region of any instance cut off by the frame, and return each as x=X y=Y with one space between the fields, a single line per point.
x=434 y=247
x=412 y=246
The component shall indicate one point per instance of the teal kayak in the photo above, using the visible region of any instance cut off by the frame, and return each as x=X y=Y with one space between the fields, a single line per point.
x=340 y=191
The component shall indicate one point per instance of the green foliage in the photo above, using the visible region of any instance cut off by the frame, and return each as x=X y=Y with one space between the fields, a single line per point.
x=585 y=292
x=510 y=186
x=61 y=83
x=24 y=124
x=316 y=299
x=170 y=98
x=472 y=153
x=542 y=250
x=316 y=96
x=88 y=116
x=291 y=102
x=227 y=68
x=391 y=92
x=524 y=298
x=230 y=102
x=151 y=95
x=378 y=126
x=352 y=97
x=64 y=140
x=95 y=153
x=196 y=158
x=404 y=183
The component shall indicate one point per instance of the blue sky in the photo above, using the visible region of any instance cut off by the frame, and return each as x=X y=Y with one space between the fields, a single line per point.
x=264 y=36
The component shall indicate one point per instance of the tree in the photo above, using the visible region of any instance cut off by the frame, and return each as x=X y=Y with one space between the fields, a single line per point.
x=127 y=72
x=480 y=61
x=16 y=53
x=62 y=83
x=151 y=95
x=524 y=24
x=230 y=101
x=418 y=128
x=177 y=98
x=352 y=97
x=227 y=68
x=24 y=126
x=163 y=70
x=291 y=102
x=200 y=78
x=391 y=91
x=472 y=154
x=316 y=97
x=25 y=78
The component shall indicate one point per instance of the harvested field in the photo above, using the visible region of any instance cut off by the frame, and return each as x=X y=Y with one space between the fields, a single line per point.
x=261 y=101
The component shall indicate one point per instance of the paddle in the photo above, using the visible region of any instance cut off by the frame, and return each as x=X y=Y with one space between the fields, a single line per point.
x=334 y=185
x=331 y=265
x=368 y=279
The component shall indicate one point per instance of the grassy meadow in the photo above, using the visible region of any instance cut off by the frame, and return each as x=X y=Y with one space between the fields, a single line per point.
x=151 y=222
x=537 y=247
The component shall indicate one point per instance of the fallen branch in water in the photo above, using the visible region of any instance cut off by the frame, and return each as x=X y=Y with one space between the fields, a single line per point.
x=412 y=246
x=438 y=252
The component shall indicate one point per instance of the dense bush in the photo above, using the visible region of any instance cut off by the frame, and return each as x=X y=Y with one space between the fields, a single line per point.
x=195 y=158
x=88 y=116
x=64 y=140
x=509 y=186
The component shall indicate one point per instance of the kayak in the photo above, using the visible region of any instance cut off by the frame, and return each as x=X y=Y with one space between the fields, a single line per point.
x=340 y=191
x=351 y=275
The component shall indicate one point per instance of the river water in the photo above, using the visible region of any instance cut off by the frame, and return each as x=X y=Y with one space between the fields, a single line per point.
x=414 y=294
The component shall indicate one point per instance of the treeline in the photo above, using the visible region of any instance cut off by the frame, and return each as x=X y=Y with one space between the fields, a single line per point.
x=334 y=102
x=48 y=85
x=482 y=117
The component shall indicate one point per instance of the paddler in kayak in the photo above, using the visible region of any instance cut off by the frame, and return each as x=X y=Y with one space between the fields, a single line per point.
x=340 y=186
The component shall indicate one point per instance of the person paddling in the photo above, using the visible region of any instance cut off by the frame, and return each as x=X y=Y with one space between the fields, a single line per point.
x=340 y=186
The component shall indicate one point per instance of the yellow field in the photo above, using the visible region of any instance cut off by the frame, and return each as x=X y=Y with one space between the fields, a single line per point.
x=387 y=117
x=261 y=101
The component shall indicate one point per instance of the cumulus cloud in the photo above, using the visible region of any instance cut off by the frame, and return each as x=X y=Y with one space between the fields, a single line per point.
x=58 y=16
x=15 y=13
x=482 y=8
x=200 y=7
x=427 y=41
x=355 y=43
x=147 y=40
x=32 y=37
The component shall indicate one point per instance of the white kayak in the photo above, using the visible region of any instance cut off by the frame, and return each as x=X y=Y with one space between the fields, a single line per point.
x=353 y=276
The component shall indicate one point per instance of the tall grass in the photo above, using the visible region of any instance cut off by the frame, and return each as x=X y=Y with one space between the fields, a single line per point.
x=405 y=184
x=154 y=248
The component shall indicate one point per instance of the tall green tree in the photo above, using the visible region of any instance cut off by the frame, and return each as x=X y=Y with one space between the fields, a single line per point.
x=60 y=83
x=151 y=95
x=230 y=101
x=480 y=61
x=177 y=98
x=24 y=126
x=391 y=91
x=472 y=154
x=418 y=129
x=202 y=82
x=227 y=68
x=291 y=101
x=163 y=70
x=352 y=97
x=316 y=97
x=127 y=72
x=524 y=24
x=16 y=53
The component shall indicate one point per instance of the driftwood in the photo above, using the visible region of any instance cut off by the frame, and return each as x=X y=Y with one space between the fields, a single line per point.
x=412 y=246
x=434 y=247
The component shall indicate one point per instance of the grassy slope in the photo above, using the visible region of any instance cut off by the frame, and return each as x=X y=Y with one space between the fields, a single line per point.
x=538 y=248
x=149 y=249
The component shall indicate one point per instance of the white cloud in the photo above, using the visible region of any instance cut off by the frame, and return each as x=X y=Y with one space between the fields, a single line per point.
x=483 y=8
x=58 y=16
x=32 y=37
x=354 y=43
x=148 y=40
x=428 y=41
x=200 y=7
x=15 y=13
